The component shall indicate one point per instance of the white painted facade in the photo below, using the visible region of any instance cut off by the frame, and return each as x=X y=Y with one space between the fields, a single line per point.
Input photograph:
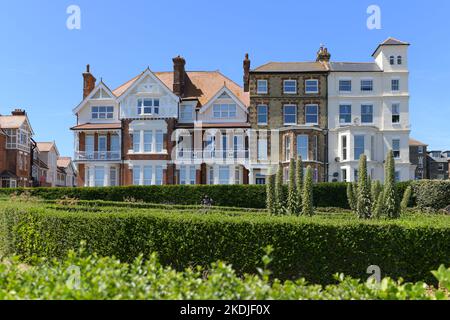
x=389 y=127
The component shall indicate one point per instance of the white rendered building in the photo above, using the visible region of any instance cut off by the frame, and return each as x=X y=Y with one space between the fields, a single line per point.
x=368 y=112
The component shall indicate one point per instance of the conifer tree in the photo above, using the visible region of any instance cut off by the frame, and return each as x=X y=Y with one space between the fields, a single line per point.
x=307 y=196
x=364 y=202
x=270 y=192
x=292 y=204
x=279 y=191
x=390 y=204
x=351 y=197
x=406 y=198
x=299 y=181
x=375 y=190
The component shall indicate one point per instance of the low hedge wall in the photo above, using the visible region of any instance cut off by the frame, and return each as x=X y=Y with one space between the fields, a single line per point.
x=432 y=194
x=242 y=196
x=314 y=248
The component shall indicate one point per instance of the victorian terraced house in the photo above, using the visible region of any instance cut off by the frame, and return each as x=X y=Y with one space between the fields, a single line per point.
x=162 y=128
x=288 y=109
x=199 y=127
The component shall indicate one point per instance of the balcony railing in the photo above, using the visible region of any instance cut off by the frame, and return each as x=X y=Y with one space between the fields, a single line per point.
x=212 y=155
x=97 y=155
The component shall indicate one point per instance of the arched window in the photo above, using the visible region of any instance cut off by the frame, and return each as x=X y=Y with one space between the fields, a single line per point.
x=392 y=60
x=399 y=60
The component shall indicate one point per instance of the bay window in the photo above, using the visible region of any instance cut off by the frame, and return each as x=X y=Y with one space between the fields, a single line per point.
x=359 y=147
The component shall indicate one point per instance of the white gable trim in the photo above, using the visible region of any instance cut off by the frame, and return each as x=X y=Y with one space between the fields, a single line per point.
x=224 y=89
x=149 y=73
x=100 y=86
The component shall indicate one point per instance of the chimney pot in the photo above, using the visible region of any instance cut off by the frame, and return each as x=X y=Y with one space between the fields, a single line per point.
x=18 y=112
x=179 y=75
x=88 y=82
x=246 y=73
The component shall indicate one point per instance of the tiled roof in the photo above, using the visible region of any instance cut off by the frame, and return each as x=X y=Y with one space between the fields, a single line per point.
x=291 y=67
x=391 y=42
x=97 y=126
x=12 y=122
x=413 y=142
x=45 y=146
x=354 y=67
x=200 y=85
x=63 y=162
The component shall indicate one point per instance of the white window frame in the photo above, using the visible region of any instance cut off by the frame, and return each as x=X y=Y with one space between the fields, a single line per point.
x=223 y=169
x=339 y=85
x=316 y=85
x=341 y=115
x=355 y=147
x=284 y=114
x=361 y=85
x=107 y=114
x=184 y=113
x=266 y=114
x=316 y=114
x=290 y=86
x=396 y=152
x=224 y=110
x=258 y=82
x=397 y=113
x=344 y=147
x=305 y=148
x=154 y=109
x=398 y=84
x=287 y=148
x=365 y=114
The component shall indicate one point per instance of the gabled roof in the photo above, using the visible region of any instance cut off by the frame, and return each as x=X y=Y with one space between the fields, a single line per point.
x=200 y=85
x=413 y=142
x=100 y=86
x=64 y=162
x=124 y=89
x=47 y=146
x=292 y=67
x=229 y=93
x=14 y=122
x=391 y=42
x=354 y=67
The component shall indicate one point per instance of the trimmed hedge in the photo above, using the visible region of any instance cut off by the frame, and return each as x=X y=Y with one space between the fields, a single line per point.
x=432 y=194
x=109 y=279
x=242 y=196
x=314 y=248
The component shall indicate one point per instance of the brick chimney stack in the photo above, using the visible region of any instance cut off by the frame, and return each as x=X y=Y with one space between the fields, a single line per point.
x=18 y=112
x=88 y=82
x=323 y=55
x=246 y=73
x=179 y=75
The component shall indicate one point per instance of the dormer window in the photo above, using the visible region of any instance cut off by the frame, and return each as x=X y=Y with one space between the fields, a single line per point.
x=399 y=60
x=102 y=112
x=148 y=106
x=392 y=60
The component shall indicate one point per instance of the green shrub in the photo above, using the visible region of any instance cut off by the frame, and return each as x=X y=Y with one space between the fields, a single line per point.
x=241 y=196
x=83 y=277
x=364 y=202
x=432 y=194
x=312 y=247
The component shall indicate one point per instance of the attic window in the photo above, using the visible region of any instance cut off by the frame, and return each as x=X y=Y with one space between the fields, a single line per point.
x=392 y=60
x=102 y=112
x=147 y=106
x=399 y=60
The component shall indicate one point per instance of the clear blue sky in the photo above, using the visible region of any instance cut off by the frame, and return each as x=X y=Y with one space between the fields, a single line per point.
x=41 y=61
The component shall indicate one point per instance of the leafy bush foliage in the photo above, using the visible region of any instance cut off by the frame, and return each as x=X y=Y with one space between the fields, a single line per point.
x=311 y=247
x=242 y=196
x=432 y=194
x=97 y=278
